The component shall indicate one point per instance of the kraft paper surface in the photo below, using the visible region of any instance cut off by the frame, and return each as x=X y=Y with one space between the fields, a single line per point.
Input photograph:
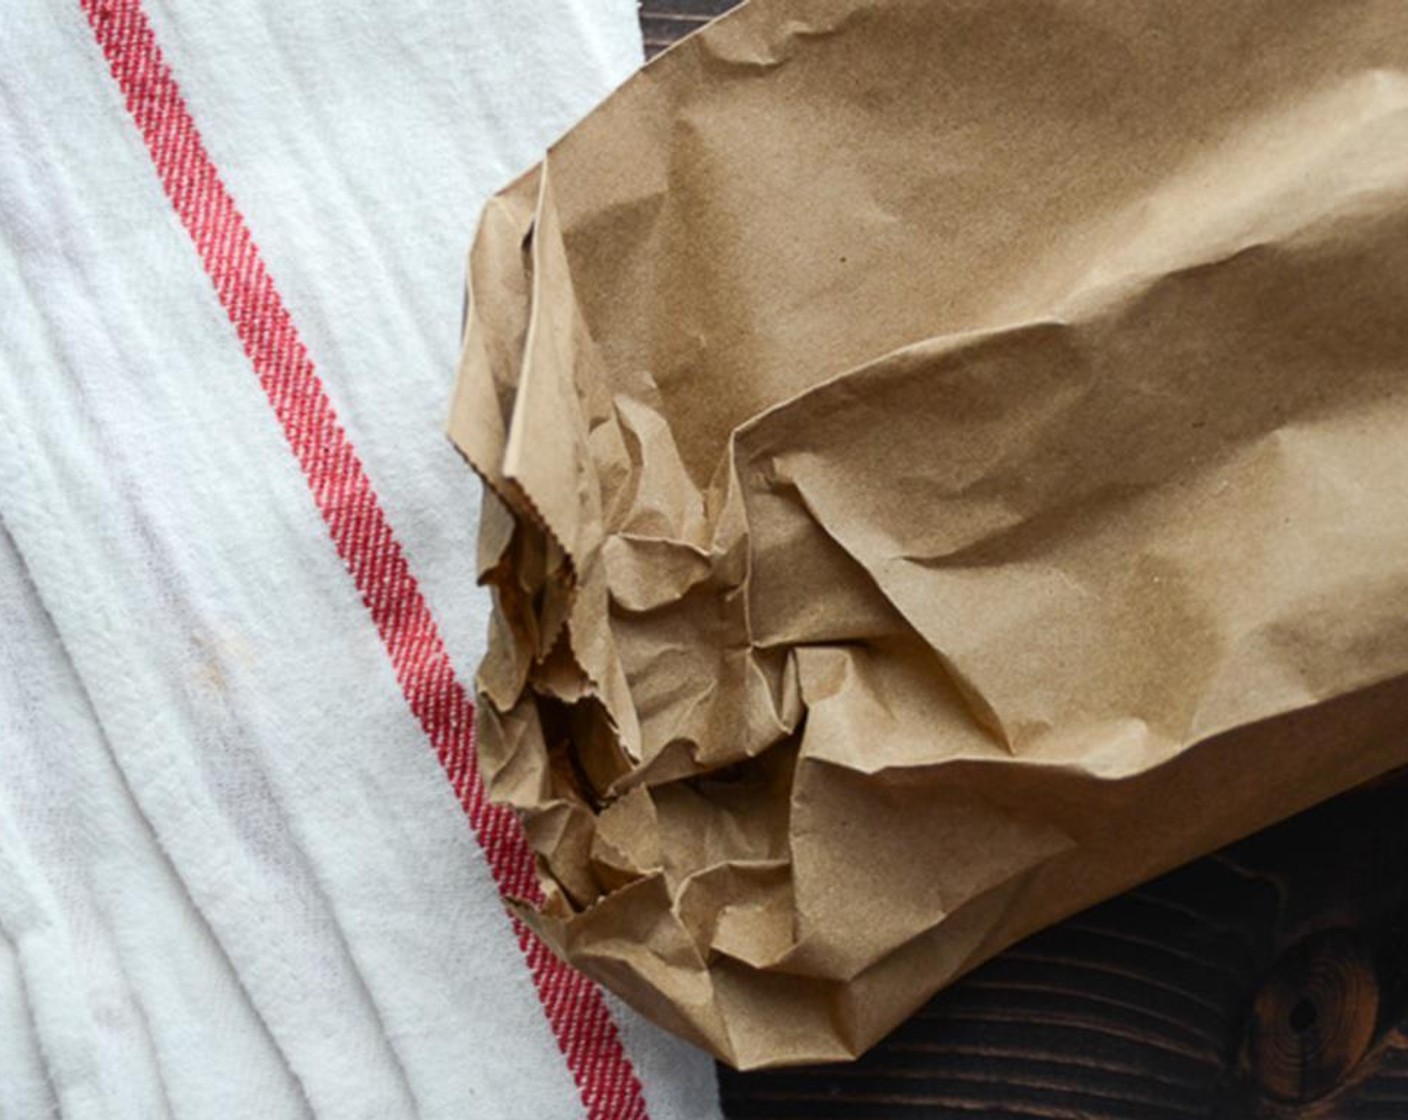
x=946 y=462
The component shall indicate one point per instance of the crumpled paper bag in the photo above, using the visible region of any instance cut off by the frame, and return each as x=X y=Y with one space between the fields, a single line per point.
x=946 y=462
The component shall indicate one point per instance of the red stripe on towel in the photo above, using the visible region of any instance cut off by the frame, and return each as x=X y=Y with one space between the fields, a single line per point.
x=359 y=528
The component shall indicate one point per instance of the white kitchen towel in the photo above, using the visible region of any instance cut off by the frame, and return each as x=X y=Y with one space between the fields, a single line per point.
x=245 y=869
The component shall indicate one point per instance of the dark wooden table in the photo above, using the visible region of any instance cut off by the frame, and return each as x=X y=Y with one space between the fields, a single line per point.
x=1270 y=980
x=1267 y=981
x=666 y=21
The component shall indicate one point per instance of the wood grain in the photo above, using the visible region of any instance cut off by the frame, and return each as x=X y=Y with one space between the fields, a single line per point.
x=1268 y=982
x=664 y=22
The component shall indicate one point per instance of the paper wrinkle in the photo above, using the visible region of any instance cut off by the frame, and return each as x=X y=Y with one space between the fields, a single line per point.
x=734 y=45
x=942 y=477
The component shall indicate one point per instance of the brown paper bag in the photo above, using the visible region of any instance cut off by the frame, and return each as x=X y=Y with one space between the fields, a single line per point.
x=947 y=461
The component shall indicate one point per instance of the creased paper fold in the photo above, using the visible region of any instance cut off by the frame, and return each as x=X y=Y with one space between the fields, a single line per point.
x=946 y=462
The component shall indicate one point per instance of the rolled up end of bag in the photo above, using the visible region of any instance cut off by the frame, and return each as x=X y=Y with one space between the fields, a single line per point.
x=943 y=466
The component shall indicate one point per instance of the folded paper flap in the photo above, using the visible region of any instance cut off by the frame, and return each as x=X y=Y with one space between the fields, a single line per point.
x=496 y=323
x=1076 y=563
x=938 y=452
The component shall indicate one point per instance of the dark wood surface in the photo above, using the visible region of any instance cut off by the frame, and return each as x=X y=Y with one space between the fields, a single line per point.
x=1268 y=981
x=666 y=21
